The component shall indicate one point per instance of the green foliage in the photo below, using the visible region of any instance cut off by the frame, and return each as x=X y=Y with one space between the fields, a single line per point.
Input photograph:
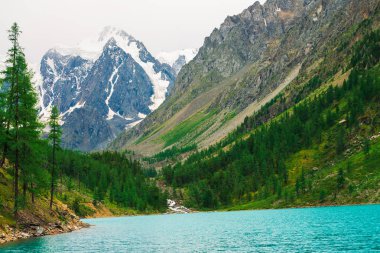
x=55 y=128
x=340 y=141
x=171 y=153
x=366 y=146
x=185 y=127
x=55 y=140
x=367 y=51
x=340 y=181
x=215 y=177
x=322 y=195
x=19 y=122
x=110 y=177
x=76 y=206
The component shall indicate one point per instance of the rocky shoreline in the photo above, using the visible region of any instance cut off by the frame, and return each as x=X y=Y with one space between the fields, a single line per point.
x=25 y=231
x=38 y=221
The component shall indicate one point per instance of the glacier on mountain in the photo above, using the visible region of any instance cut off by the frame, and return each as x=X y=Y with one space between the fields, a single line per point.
x=101 y=87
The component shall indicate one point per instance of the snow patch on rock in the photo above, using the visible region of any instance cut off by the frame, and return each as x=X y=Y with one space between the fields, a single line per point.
x=73 y=108
x=92 y=49
x=171 y=57
x=112 y=82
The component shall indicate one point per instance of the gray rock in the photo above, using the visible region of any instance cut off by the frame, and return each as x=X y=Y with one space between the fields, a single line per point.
x=99 y=99
x=40 y=231
x=258 y=49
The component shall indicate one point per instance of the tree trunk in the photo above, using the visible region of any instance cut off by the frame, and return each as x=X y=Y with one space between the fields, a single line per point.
x=52 y=178
x=15 y=210
x=24 y=188
x=32 y=188
x=17 y=153
x=61 y=180
x=5 y=151
x=24 y=174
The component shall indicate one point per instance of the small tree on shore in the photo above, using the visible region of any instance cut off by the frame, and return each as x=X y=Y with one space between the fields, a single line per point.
x=340 y=179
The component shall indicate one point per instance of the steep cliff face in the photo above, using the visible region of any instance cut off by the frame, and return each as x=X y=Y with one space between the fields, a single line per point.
x=251 y=58
x=62 y=80
x=241 y=39
x=102 y=87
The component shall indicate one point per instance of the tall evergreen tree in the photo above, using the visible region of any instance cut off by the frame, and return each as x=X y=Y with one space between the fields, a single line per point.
x=10 y=80
x=22 y=129
x=30 y=130
x=55 y=139
x=12 y=76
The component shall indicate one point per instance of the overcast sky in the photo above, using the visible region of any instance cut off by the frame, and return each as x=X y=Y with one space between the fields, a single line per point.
x=162 y=25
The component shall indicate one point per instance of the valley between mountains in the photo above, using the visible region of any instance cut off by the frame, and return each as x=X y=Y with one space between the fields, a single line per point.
x=279 y=108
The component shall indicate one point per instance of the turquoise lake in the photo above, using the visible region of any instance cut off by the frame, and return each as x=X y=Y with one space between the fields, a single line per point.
x=327 y=229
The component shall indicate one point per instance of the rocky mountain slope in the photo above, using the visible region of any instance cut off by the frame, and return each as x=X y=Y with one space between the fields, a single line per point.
x=101 y=87
x=245 y=63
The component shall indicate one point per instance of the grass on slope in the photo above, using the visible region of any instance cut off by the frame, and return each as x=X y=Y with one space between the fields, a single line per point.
x=179 y=131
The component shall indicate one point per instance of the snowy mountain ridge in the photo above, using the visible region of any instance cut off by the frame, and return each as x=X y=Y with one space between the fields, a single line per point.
x=101 y=87
x=171 y=57
x=178 y=58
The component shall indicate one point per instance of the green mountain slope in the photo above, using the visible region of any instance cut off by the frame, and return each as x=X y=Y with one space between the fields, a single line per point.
x=253 y=57
x=318 y=145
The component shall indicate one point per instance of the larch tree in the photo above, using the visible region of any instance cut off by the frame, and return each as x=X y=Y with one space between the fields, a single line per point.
x=12 y=117
x=55 y=140
x=30 y=130
x=9 y=80
x=22 y=129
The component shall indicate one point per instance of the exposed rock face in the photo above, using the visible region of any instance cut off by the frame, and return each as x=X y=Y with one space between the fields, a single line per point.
x=62 y=80
x=250 y=55
x=102 y=87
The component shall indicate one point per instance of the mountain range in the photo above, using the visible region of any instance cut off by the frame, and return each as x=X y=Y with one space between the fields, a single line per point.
x=103 y=86
x=279 y=108
x=254 y=56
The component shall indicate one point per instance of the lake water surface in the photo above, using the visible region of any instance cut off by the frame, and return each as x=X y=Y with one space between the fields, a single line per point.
x=328 y=229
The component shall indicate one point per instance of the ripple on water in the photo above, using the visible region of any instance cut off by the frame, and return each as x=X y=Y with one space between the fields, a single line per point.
x=331 y=229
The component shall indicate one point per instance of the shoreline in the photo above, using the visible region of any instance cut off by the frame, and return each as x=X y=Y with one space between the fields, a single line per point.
x=15 y=235
x=12 y=234
x=286 y=208
x=298 y=207
x=238 y=210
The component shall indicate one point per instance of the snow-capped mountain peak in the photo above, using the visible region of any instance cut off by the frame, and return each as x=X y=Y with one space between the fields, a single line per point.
x=109 y=32
x=91 y=49
x=101 y=86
